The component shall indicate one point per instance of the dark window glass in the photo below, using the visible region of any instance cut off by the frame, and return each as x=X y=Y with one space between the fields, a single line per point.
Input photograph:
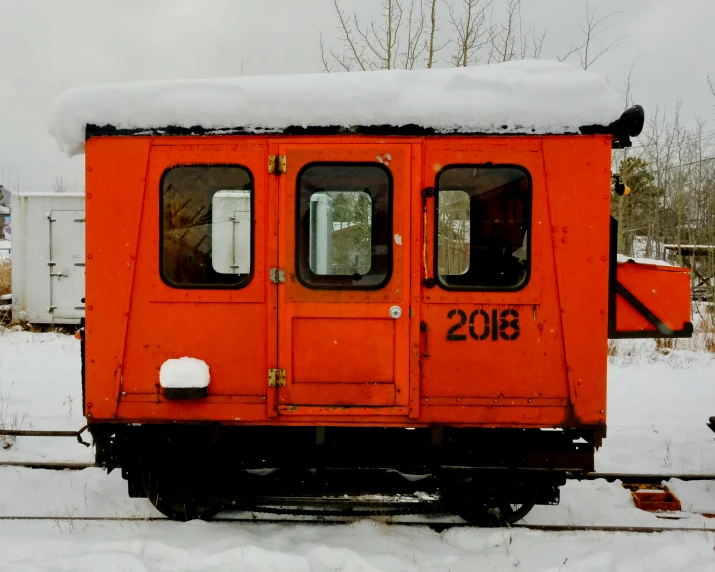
x=344 y=226
x=483 y=221
x=206 y=230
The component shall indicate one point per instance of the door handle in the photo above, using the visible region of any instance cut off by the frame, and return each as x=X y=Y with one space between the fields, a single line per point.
x=395 y=312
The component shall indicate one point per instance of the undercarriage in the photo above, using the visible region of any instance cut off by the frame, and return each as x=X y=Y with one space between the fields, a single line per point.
x=486 y=476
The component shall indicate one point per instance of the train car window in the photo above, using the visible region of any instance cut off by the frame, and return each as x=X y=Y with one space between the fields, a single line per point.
x=206 y=230
x=483 y=216
x=344 y=226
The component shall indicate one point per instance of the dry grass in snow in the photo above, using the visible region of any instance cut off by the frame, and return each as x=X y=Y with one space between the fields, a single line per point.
x=5 y=277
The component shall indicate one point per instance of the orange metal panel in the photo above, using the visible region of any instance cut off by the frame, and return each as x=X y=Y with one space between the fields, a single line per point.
x=468 y=356
x=115 y=179
x=321 y=345
x=166 y=322
x=367 y=349
x=578 y=188
x=344 y=394
x=553 y=374
x=665 y=291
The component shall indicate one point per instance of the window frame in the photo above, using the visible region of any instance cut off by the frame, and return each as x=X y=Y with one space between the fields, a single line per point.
x=529 y=230
x=300 y=264
x=249 y=277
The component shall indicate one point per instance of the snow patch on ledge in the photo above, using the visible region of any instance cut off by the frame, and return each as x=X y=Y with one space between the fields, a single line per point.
x=531 y=97
x=621 y=258
x=184 y=373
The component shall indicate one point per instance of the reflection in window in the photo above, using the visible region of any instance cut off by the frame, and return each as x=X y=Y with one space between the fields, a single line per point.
x=453 y=228
x=483 y=217
x=344 y=226
x=340 y=232
x=206 y=226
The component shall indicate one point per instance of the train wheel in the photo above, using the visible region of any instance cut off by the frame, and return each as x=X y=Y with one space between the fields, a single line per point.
x=479 y=509
x=174 y=501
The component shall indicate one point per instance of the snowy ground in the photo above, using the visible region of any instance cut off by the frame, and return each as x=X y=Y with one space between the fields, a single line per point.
x=658 y=406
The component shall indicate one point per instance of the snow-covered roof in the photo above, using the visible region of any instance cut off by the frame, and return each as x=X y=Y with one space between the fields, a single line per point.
x=4 y=210
x=533 y=97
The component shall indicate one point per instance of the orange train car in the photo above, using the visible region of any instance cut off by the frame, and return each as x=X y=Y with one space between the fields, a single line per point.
x=384 y=299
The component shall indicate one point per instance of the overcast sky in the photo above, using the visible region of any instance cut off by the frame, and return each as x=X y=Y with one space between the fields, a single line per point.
x=47 y=46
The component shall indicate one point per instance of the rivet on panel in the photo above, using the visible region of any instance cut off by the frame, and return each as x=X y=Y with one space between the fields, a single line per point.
x=89 y=196
x=566 y=229
x=89 y=256
x=89 y=168
x=563 y=240
x=90 y=308
x=602 y=411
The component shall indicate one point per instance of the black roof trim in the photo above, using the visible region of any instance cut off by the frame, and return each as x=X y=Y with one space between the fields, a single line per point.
x=628 y=125
x=404 y=130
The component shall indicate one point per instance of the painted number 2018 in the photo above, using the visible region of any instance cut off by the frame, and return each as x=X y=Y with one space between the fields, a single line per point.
x=483 y=325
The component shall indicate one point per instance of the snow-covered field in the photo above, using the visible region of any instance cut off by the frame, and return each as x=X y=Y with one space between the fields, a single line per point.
x=658 y=406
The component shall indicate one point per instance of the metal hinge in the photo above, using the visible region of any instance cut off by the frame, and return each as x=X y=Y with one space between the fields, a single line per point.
x=276 y=377
x=276 y=164
x=277 y=276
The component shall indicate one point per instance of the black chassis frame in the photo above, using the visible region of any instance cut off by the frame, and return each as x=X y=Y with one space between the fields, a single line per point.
x=223 y=460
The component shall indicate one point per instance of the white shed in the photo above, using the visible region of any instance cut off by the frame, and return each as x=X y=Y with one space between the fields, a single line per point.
x=48 y=258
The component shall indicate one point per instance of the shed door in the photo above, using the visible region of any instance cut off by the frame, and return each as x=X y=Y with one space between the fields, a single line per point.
x=67 y=264
x=343 y=310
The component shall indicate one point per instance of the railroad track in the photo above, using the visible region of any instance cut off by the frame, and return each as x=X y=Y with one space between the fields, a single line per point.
x=331 y=521
x=332 y=510
x=628 y=478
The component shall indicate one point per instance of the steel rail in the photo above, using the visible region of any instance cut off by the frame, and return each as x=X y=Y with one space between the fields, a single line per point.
x=49 y=465
x=645 y=478
x=628 y=478
x=438 y=526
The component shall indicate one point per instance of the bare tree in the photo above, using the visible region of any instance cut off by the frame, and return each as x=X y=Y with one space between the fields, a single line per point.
x=431 y=47
x=415 y=33
x=60 y=185
x=592 y=44
x=377 y=45
x=472 y=31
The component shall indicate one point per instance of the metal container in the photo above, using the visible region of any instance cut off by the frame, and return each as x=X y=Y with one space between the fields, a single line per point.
x=48 y=258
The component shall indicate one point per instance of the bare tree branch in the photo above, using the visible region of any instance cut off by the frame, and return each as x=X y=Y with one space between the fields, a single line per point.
x=415 y=32
x=591 y=28
x=323 y=58
x=432 y=30
x=627 y=94
x=347 y=35
x=472 y=31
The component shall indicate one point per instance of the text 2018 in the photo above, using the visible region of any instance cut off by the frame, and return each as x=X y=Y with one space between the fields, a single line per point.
x=484 y=325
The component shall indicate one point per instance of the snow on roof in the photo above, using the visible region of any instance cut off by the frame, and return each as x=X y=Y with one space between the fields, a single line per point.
x=689 y=246
x=4 y=210
x=534 y=97
x=621 y=258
